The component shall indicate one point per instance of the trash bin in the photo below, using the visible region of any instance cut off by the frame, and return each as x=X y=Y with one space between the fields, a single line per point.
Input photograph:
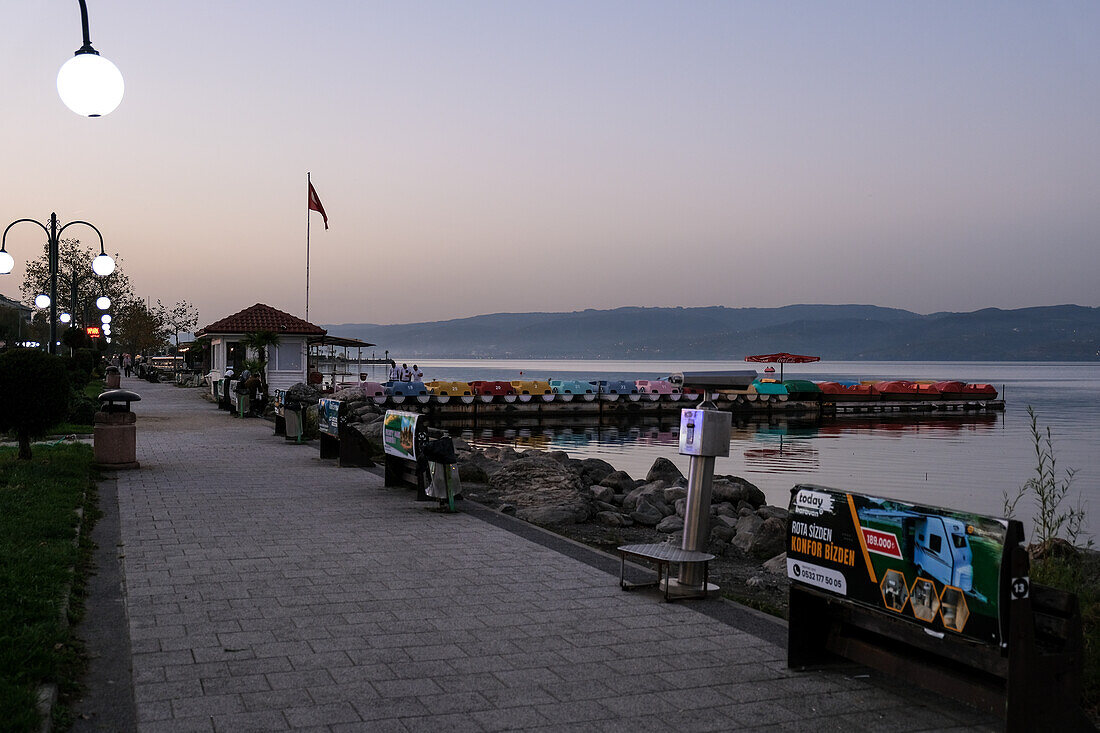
x=292 y=415
x=113 y=378
x=115 y=431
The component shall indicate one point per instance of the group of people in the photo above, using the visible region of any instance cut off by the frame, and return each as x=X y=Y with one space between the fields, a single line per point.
x=404 y=374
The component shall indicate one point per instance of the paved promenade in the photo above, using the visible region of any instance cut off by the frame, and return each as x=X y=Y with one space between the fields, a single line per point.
x=266 y=589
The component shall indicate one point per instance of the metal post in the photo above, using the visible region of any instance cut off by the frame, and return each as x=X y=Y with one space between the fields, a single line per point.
x=53 y=258
x=697 y=516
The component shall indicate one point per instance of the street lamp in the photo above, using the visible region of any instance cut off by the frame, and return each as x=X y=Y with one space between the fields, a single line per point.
x=89 y=84
x=103 y=265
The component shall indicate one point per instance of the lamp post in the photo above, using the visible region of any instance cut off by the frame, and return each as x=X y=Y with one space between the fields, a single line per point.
x=103 y=265
x=89 y=84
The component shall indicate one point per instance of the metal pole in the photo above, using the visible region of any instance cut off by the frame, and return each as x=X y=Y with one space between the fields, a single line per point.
x=697 y=517
x=53 y=258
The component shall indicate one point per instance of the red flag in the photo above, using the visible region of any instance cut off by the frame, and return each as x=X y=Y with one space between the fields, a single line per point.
x=315 y=204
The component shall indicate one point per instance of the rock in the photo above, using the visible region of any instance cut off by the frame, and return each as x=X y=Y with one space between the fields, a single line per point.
x=500 y=454
x=670 y=524
x=469 y=472
x=602 y=493
x=460 y=444
x=767 y=512
x=594 y=470
x=303 y=394
x=646 y=514
x=760 y=538
x=680 y=505
x=549 y=515
x=539 y=482
x=734 y=489
x=654 y=493
x=755 y=581
x=507 y=509
x=726 y=509
x=370 y=431
x=777 y=565
x=724 y=520
x=603 y=506
x=614 y=519
x=483 y=465
x=558 y=455
x=717 y=547
x=620 y=481
x=721 y=532
x=672 y=493
x=745 y=531
x=664 y=470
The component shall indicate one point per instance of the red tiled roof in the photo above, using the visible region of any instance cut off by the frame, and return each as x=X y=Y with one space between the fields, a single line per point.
x=262 y=317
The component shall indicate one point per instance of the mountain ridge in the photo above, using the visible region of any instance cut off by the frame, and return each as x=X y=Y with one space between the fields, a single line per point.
x=837 y=332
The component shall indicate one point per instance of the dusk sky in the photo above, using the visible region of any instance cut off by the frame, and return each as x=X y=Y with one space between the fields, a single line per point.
x=478 y=157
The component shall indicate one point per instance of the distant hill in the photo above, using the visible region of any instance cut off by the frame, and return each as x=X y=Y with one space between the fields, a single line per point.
x=836 y=332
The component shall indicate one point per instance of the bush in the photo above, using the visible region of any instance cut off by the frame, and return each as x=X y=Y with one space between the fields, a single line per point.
x=81 y=365
x=35 y=388
x=82 y=408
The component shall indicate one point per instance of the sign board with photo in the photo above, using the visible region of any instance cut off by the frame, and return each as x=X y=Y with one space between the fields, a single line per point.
x=328 y=417
x=399 y=434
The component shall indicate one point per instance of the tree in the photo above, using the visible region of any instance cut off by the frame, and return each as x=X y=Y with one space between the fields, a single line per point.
x=35 y=386
x=74 y=273
x=259 y=341
x=182 y=317
x=138 y=329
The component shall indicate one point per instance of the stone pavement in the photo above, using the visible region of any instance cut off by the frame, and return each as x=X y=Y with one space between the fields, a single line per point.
x=266 y=589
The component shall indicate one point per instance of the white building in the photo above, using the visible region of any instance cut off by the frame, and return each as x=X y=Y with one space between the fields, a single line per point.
x=287 y=363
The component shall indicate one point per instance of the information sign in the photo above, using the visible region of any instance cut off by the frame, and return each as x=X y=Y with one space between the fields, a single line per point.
x=936 y=567
x=280 y=402
x=328 y=417
x=399 y=434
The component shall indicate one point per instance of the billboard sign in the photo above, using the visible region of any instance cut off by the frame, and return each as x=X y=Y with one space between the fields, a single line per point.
x=399 y=434
x=936 y=567
x=328 y=417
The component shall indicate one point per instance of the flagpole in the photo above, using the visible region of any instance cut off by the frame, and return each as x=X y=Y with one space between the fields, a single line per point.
x=308 y=184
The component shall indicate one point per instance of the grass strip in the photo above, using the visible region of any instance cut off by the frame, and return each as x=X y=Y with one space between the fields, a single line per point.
x=39 y=499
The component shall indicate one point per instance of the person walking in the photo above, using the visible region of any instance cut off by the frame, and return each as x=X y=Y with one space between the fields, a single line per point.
x=127 y=364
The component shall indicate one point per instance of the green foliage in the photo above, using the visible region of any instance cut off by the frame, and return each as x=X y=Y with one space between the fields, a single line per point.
x=38 y=499
x=35 y=388
x=81 y=366
x=1049 y=490
x=82 y=409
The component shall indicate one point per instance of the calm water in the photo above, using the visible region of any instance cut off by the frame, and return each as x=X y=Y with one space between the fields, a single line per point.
x=963 y=463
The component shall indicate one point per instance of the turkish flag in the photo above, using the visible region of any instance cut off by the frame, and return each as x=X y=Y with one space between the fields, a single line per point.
x=315 y=204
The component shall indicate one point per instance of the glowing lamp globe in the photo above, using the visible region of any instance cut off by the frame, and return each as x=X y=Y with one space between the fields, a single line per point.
x=105 y=318
x=103 y=265
x=108 y=339
x=65 y=318
x=106 y=329
x=103 y=302
x=41 y=301
x=90 y=85
x=7 y=262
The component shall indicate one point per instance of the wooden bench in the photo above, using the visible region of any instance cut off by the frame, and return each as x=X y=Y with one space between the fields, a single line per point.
x=662 y=555
x=1024 y=665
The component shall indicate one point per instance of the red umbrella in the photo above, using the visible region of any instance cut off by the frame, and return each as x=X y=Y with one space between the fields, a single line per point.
x=782 y=358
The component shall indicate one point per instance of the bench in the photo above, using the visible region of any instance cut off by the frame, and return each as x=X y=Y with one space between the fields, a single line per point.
x=866 y=587
x=662 y=555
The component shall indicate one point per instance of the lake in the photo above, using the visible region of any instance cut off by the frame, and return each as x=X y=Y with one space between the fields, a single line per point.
x=962 y=462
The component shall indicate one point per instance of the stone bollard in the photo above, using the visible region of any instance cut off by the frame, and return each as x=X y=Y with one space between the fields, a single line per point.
x=115 y=438
x=113 y=378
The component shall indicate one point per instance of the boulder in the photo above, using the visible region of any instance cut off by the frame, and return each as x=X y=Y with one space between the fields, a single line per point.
x=724 y=520
x=614 y=519
x=721 y=532
x=476 y=463
x=594 y=470
x=767 y=512
x=680 y=505
x=777 y=565
x=558 y=455
x=370 y=431
x=602 y=493
x=664 y=470
x=735 y=490
x=674 y=493
x=654 y=493
x=670 y=524
x=500 y=454
x=766 y=539
x=620 y=481
x=507 y=509
x=646 y=514
x=470 y=472
x=540 y=482
x=745 y=531
x=460 y=444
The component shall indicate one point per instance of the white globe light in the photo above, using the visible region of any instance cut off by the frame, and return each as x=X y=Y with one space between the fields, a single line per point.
x=103 y=265
x=7 y=262
x=90 y=85
x=41 y=301
x=106 y=330
x=103 y=302
x=105 y=318
x=108 y=339
x=65 y=317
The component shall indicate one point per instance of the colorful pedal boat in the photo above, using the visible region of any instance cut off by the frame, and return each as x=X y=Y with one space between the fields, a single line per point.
x=531 y=386
x=802 y=389
x=656 y=386
x=572 y=386
x=898 y=389
x=439 y=387
x=492 y=389
x=955 y=390
x=847 y=391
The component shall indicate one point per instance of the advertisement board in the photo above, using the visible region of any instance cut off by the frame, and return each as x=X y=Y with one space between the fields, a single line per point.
x=280 y=402
x=936 y=567
x=328 y=417
x=399 y=434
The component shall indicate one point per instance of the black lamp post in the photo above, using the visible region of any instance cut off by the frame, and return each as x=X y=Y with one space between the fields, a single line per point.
x=102 y=265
